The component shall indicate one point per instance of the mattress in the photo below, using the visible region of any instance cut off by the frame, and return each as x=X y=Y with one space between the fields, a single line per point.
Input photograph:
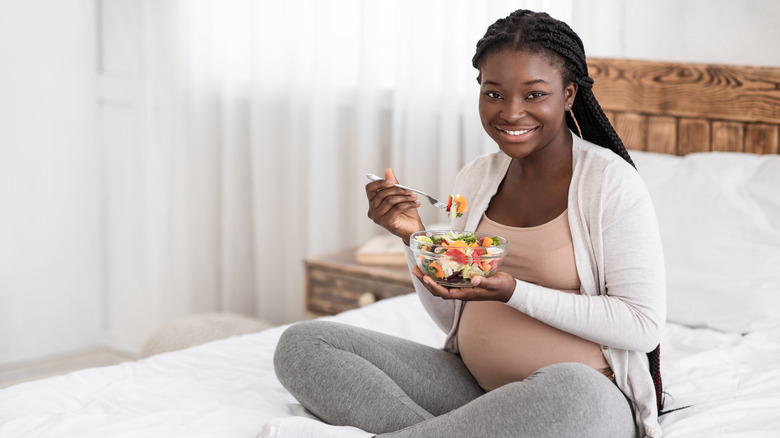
x=726 y=384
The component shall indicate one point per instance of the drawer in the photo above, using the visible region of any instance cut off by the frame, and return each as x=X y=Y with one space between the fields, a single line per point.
x=331 y=292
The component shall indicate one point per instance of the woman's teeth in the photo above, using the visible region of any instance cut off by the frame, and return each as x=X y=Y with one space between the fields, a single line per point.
x=523 y=131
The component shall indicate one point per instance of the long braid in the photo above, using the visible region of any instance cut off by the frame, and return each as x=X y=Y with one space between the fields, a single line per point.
x=596 y=128
x=539 y=33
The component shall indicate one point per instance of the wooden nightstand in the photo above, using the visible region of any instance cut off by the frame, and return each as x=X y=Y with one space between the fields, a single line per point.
x=336 y=282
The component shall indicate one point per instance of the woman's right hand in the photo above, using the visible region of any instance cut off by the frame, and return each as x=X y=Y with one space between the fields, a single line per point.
x=393 y=208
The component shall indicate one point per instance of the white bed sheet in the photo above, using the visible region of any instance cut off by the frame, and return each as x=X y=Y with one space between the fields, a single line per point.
x=228 y=388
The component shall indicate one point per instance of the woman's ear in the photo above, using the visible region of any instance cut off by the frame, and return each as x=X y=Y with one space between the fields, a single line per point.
x=570 y=92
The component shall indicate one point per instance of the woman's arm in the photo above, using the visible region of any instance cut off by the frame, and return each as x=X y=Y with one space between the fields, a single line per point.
x=628 y=310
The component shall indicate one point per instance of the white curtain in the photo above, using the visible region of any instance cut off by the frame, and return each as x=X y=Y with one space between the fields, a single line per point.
x=263 y=117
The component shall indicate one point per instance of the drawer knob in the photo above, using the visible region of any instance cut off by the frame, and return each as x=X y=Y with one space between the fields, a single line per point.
x=365 y=299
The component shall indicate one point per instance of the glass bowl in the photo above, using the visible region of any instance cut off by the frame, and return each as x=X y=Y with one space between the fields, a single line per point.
x=452 y=258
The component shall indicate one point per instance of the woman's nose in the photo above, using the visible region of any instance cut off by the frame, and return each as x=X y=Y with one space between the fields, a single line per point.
x=514 y=109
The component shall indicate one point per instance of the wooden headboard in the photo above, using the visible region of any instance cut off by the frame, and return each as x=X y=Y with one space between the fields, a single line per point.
x=679 y=108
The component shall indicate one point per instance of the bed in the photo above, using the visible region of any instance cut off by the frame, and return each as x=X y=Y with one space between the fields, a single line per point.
x=704 y=138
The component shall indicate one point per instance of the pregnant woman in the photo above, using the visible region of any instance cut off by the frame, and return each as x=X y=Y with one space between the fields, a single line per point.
x=563 y=341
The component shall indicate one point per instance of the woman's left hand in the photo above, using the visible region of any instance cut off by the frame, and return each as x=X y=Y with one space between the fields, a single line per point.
x=499 y=287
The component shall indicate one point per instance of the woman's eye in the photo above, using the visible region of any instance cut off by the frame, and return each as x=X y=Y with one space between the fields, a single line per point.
x=535 y=95
x=493 y=95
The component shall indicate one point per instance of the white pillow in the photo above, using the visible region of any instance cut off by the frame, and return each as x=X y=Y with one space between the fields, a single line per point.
x=719 y=217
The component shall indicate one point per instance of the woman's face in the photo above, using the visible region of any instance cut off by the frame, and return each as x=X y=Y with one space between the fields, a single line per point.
x=523 y=102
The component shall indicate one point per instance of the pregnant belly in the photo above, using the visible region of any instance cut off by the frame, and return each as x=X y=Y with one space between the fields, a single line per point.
x=500 y=344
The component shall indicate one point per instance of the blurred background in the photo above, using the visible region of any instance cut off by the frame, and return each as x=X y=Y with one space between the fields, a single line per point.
x=160 y=158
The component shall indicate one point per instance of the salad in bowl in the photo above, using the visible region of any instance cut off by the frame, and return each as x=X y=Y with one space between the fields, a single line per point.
x=453 y=258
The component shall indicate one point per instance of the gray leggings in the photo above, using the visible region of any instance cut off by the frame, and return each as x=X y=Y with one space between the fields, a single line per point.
x=398 y=388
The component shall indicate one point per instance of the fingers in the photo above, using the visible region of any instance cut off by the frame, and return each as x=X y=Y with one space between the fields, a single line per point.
x=498 y=288
x=390 y=176
x=375 y=187
x=387 y=203
x=435 y=288
x=395 y=211
x=430 y=284
x=393 y=199
x=393 y=208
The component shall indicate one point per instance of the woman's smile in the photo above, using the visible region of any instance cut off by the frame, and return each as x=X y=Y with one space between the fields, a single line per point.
x=517 y=134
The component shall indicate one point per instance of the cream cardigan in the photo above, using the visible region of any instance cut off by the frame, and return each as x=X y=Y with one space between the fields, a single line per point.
x=617 y=250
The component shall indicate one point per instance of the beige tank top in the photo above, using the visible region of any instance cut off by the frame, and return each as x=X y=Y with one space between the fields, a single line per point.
x=498 y=343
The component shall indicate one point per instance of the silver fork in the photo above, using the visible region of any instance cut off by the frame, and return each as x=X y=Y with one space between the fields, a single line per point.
x=435 y=202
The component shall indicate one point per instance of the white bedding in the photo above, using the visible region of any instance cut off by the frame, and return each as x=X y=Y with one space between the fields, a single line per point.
x=228 y=388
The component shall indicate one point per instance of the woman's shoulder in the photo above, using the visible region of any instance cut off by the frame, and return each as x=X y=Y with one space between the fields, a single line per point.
x=584 y=149
x=599 y=171
x=598 y=161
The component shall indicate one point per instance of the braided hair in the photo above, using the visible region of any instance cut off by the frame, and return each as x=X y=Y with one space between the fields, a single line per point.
x=537 y=32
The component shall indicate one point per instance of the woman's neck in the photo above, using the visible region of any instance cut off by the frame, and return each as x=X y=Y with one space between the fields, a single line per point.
x=549 y=162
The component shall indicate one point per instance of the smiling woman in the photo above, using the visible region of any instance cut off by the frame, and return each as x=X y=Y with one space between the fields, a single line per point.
x=568 y=328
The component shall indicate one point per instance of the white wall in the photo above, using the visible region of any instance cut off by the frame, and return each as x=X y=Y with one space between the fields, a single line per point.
x=136 y=300
x=50 y=215
x=708 y=31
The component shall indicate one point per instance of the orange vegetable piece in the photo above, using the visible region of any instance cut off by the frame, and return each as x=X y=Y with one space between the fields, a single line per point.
x=439 y=271
x=460 y=200
x=487 y=241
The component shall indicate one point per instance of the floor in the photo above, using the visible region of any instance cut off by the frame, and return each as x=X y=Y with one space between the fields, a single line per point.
x=58 y=366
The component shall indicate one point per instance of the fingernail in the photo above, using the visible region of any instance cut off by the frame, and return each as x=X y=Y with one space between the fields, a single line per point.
x=477 y=281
